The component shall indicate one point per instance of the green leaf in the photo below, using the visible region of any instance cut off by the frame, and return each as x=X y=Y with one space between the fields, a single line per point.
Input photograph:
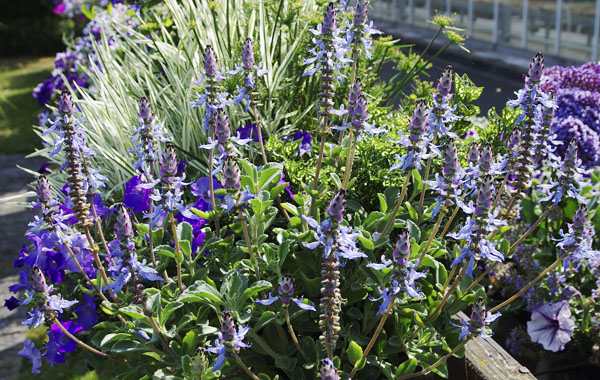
x=267 y=176
x=186 y=248
x=184 y=231
x=411 y=211
x=133 y=311
x=355 y=352
x=407 y=367
x=256 y=288
x=165 y=250
x=382 y=203
x=189 y=342
x=414 y=230
x=200 y=292
x=109 y=338
x=265 y=318
x=285 y=362
x=366 y=242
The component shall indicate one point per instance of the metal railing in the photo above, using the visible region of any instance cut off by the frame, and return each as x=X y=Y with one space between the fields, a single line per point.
x=565 y=28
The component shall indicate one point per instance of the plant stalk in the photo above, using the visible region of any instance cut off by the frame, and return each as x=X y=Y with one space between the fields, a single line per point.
x=318 y=170
x=249 y=244
x=449 y=222
x=245 y=367
x=178 y=252
x=433 y=233
x=390 y=223
x=292 y=334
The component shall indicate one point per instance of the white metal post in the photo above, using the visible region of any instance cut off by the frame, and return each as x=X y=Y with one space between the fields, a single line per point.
x=447 y=7
x=524 y=25
x=427 y=10
x=495 y=23
x=596 y=32
x=470 y=18
x=557 y=26
x=411 y=12
x=394 y=8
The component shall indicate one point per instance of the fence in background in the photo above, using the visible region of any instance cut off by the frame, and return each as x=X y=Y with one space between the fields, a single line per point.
x=565 y=28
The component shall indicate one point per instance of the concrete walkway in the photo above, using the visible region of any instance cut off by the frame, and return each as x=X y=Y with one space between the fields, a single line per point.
x=13 y=223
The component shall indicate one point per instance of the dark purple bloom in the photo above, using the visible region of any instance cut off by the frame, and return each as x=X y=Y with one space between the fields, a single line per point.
x=479 y=319
x=136 y=197
x=248 y=131
x=30 y=352
x=210 y=61
x=248 y=54
x=337 y=206
x=23 y=253
x=231 y=175
x=12 y=303
x=65 y=104
x=86 y=313
x=286 y=291
x=551 y=325
x=229 y=333
x=536 y=67
x=55 y=263
x=59 y=343
x=305 y=146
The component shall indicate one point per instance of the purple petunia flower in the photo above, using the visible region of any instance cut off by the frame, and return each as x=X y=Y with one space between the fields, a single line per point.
x=551 y=325
x=136 y=197
x=86 y=313
x=59 y=343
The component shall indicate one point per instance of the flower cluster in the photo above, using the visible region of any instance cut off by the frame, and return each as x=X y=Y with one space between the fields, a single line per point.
x=230 y=338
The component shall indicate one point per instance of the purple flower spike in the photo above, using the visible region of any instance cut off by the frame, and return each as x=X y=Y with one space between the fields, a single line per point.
x=486 y=159
x=227 y=326
x=580 y=217
x=361 y=12
x=168 y=166
x=444 y=85
x=485 y=196
x=478 y=315
x=286 y=288
x=402 y=248
x=329 y=25
x=327 y=370
x=231 y=174
x=38 y=281
x=355 y=93
x=43 y=189
x=123 y=226
x=210 y=61
x=536 y=67
x=248 y=54
x=222 y=127
x=451 y=165
x=144 y=111
x=65 y=104
x=551 y=325
x=473 y=155
x=337 y=206
x=417 y=123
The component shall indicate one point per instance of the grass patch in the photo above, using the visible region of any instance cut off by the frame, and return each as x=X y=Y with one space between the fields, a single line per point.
x=18 y=108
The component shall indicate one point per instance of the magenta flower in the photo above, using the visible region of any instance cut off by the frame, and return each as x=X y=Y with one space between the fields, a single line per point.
x=551 y=325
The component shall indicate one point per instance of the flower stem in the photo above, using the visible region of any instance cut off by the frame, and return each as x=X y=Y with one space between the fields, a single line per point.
x=249 y=244
x=382 y=320
x=94 y=249
x=245 y=367
x=89 y=348
x=436 y=364
x=449 y=222
x=292 y=334
x=211 y=159
x=531 y=283
x=355 y=51
x=178 y=252
x=424 y=186
x=318 y=170
x=433 y=233
x=448 y=293
x=99 y=229
x=349 y=159
x=258 y=130
x=501 y=190
x=164 y=341
x=390 y=223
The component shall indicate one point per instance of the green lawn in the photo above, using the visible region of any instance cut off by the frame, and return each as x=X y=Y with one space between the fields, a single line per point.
x=18 y=108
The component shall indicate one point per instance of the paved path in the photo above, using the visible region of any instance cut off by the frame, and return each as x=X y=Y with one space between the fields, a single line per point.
x=13 y=223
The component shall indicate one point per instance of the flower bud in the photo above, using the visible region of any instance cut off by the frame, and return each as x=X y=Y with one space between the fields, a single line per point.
x=210 y=62
x=402 y=248
x=473 y=155
x=417 y=123
x=569 y=292
x=571 y=159
x=327 y=371
x=580 y=217
x=359 y=112
x=329 y=25
x=486 y=158
x=231 y=174
x=337 y=206
x=227 y=326
x=65 y=104
x=248 y=54
x=478 y=316
x=514 y=139
x=536 y=67
x=485 y=196
x=123 y=226
x=451 y=164
x=222 y=127
x=444 y=85
x=360 y=12
x=38 y=280
x=286 y=288
x=43 y=189
x=168 y=165
x=355 y=93
x=144 y=111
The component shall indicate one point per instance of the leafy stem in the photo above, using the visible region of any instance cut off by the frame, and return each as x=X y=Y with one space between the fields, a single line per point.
x=178 y=253
x=390 y=223
x=292 y=334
